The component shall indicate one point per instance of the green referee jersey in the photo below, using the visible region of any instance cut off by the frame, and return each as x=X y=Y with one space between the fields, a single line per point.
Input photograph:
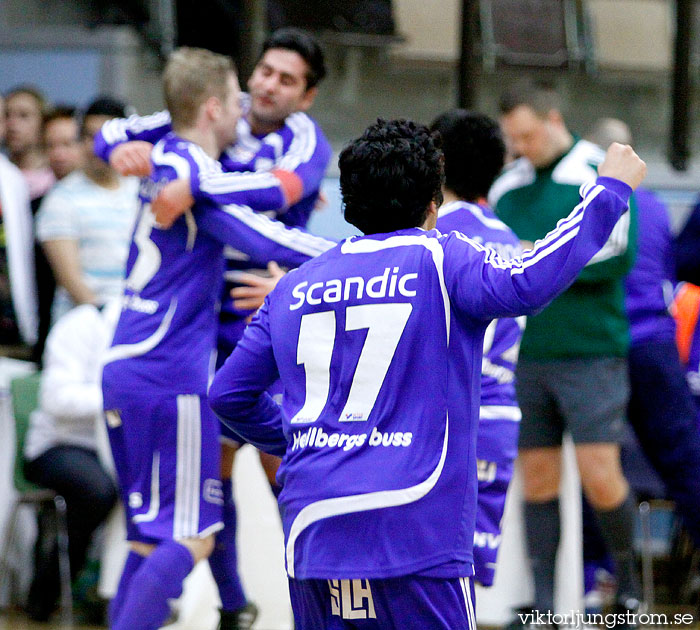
x=588 y=320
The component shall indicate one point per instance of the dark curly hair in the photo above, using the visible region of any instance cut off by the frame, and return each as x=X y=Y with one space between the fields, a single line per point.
x=305 y=45
x=389 y=176
x=474 y=152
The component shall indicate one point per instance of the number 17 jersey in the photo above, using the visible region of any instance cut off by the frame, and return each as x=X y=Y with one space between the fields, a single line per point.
x=378 y=344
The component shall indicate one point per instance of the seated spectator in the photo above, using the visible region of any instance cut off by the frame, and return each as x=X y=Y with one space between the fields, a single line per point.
x=61 y=445
x=26 y=107
x=64 y=153
x=85 y=222
x=18 y=314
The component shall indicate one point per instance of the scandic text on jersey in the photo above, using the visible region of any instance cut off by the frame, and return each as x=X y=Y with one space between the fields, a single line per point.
x=337 y=290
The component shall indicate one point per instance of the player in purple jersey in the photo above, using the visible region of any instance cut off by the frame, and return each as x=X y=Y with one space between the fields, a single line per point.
x=378 y=344
x=474 y=155
x=275 y=136
x=163 y=435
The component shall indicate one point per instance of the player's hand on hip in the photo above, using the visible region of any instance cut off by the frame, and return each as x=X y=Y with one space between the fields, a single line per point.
x=172 y=202
x=256 y=287
x=621 y=162
x=132 y=158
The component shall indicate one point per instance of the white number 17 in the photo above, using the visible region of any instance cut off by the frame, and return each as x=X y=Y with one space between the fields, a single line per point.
x=385 y=324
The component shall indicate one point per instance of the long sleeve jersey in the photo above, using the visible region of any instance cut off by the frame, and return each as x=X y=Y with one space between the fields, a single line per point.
x=167 y=328
x=589 y=319
x=297 y=153
x=378 y=343
x=502 y=337
x=298 y=148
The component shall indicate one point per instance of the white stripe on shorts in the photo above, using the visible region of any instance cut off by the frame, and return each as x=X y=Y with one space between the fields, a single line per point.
x=467 y=593
x=154 y=504
x=188 y=469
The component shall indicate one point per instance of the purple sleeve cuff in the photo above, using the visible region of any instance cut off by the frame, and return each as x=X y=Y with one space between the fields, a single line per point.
x=617 y=186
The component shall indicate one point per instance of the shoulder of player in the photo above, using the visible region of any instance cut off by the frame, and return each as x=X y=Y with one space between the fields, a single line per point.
x=457 y=238
x=648 y=198
x=183 y=156
x=299 y=126
x=517 y=174
x=579 y=165
x=650 y=209
x=470 y=218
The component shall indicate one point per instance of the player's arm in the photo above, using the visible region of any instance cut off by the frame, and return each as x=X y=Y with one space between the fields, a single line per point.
x=307 y=156
x=238 y=392
x=296 y=175
x=261 y=191
x=261 y=238
x=487 y=286
x=117 y=131
x=273 y=190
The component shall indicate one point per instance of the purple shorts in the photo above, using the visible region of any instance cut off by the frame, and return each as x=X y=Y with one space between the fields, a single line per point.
x=404 y=603
x=496 y=450
x=166 y=453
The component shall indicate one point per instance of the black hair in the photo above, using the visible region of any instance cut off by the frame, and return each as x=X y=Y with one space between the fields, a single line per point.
x=541 y=96
x=305 y=45
x=59 y=112
x=389 y=176
x=474 y=152
x=106 y=106
x=103 y=106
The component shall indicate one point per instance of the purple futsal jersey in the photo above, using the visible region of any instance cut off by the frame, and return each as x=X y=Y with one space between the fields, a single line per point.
x=378 y=343
x=166 y=333
x=298 y=147
x=649 y=284
x=499 y=414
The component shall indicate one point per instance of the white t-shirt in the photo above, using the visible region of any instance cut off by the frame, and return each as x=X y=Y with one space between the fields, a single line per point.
x=101 y=221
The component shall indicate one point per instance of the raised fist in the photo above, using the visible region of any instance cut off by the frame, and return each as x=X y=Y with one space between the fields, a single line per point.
x=621 y=162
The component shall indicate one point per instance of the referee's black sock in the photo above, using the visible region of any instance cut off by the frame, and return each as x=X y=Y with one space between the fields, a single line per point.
x=617 y=527
x=542 y=529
